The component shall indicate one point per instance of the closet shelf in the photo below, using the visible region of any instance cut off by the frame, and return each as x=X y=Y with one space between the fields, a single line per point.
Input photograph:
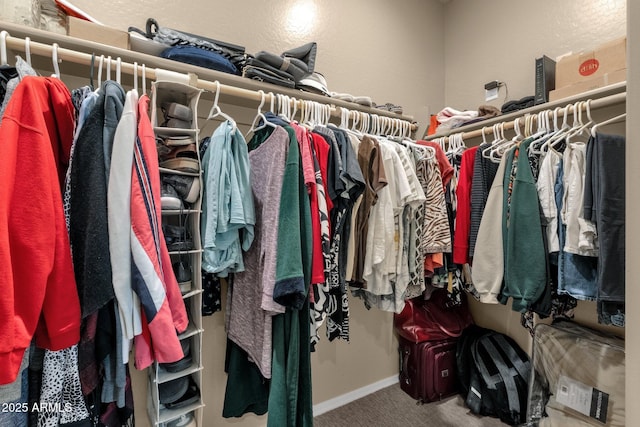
x=165 y=131
x=234 y=89
x=179 y=211
x=167 y=415
x=602 y=97
x=165 y=376
x=177 y=172
x=191 y=293
x=191 y=331
x=192 y=251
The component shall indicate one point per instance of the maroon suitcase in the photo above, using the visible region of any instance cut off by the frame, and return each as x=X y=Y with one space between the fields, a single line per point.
x=428 y=369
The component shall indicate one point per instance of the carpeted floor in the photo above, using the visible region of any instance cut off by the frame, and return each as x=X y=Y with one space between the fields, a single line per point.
x=392 y=407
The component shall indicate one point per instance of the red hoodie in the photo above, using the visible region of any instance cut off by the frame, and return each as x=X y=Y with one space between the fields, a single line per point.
x=38 y=292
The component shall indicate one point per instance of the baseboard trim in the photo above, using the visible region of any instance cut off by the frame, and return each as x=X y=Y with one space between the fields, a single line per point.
x=343 y=399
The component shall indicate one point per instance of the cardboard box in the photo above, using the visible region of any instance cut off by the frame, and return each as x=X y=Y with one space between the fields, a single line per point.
x=589 y=84
x=606 y=58
x=98 y=33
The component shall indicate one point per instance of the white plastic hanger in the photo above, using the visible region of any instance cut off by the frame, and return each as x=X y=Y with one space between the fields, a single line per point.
x=460 y=144
x=54 y=58
x=27 y=49
x=100 y=72
x=544 y=131
x=259 y=116
x=135 y=76
x=327 y=117
x=216 y=111
x=144 y=79
x=108 y=67
x=584 y=128
x=374 y=128
x=284 y=107
x=566 y=130
x=3 y=48
x=612 y=120
x=501 y=144
x=498 y=138
x=404 y=130
x=484 y=137
x=294 y=103
x=118 y=69
x=355 y=119
x=561 y=131
x=344 y=118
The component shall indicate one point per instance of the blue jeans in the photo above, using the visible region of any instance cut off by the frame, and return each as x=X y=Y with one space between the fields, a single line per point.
x=14 y=413
x=577 y=274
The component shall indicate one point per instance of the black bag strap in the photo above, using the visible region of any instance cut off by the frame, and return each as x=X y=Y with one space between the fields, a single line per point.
x=505 y=374
x=522 y=366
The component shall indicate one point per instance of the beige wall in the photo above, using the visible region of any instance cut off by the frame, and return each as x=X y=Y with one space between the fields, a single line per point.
x=500 y=39
x=391 y=51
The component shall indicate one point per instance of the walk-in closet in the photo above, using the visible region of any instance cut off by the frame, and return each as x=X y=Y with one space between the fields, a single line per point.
x=246 y=294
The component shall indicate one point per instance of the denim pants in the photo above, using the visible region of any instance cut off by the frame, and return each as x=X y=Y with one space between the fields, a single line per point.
x=15 y=413
x=577 y=274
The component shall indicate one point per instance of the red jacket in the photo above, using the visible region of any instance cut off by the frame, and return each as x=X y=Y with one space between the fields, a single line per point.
x=163 y=310
x=463 y=214
x=38 y=292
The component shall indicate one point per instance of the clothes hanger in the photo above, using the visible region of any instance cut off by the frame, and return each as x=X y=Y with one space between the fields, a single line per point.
x=54 y=58
x=100 y=72
x=612 y=120
x=404 y=130
x=576 y=127
x=407 y=129
x=503 y=144
x=395 y=128
x=284 y=107
x=108 y=68
x=294 y=103
x=577 y=119
x=327 y=117
x=498 y=141
x=544 y=131
x=558 y=137
x=487 y=150
x=216 y=111
x=144 y=79
x=355 y=119
x=118 y=66
x=305 y=114
x=425 y=152
x=3 y=48
x=374 y=128
x=484 y=137
x=461 y=145
x=27 y=49
x=260 y=116
x=135 y=76
x=344 y=118
x=584 y=128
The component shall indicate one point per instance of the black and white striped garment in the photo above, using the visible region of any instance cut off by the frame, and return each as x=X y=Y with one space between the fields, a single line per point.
x=484 y=171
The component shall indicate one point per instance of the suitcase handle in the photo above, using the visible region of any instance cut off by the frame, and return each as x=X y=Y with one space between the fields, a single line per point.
x=404 y=355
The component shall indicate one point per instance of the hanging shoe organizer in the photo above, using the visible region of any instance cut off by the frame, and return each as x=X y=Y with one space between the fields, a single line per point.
x=175 y=388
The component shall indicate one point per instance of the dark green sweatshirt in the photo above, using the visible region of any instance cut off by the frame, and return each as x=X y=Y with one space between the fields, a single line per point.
x=524 y=252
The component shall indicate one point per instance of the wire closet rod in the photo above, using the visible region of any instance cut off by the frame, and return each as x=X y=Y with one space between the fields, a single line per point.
x=76 y=57
x=594 y=105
